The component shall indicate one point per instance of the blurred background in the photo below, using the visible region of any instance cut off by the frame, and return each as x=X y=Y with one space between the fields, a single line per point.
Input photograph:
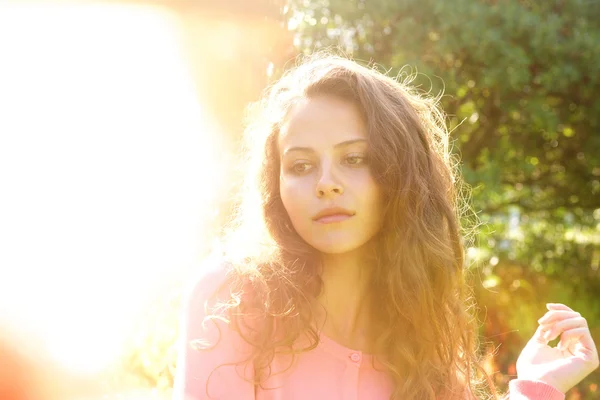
x=119 y=133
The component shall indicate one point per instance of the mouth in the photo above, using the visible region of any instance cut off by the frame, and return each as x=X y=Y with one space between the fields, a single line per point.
x=333 y=215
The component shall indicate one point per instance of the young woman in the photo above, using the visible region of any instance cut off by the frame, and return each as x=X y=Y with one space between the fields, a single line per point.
x=346 y=277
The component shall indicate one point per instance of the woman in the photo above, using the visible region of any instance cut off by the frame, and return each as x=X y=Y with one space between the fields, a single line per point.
x=345 y=279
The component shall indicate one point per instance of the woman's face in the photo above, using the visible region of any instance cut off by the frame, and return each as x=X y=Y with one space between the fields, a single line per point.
x=325 y=182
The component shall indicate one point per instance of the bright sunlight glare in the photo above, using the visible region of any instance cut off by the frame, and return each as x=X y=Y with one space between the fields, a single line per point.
x=107 y=166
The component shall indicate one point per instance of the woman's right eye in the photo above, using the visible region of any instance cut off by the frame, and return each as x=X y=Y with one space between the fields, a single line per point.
x=301 y=167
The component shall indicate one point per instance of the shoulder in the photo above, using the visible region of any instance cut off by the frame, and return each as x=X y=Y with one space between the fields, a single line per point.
x=220 y=280
x=211 y=280
x=213 y=357
x=204 y=318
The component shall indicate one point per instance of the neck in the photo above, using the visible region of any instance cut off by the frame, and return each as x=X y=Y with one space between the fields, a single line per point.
x=344 y=311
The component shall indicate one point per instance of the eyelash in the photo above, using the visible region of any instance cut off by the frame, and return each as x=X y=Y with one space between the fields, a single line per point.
x=361 y=157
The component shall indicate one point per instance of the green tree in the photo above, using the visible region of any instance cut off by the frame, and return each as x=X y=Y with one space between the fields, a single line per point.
x=522 y=78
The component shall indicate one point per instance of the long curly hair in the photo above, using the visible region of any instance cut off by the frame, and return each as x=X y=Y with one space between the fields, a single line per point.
x=419 y=272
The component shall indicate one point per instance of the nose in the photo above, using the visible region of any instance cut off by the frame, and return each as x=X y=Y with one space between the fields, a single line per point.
x=328 y=185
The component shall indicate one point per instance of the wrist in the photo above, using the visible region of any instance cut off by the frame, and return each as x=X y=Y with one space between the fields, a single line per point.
x=534 y=389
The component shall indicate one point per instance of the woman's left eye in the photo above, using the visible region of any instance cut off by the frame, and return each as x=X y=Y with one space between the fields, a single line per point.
x=355 y=159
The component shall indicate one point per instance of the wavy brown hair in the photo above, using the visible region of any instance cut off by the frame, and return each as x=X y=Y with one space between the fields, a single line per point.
x=418 y=277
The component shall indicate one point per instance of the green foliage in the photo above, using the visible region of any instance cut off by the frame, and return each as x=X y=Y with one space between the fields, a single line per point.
x=520 y=80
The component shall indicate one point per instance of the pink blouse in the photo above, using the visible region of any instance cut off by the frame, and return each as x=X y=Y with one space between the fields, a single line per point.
x=330 y=371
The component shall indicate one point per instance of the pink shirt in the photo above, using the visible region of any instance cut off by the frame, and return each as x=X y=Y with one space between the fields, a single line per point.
x=330 y=371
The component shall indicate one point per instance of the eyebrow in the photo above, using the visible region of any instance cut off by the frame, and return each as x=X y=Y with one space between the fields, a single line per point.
x=310 y=149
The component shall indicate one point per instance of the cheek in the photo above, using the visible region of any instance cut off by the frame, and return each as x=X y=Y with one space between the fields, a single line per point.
x=294 y=195
x=365 y=186
x=370 y=195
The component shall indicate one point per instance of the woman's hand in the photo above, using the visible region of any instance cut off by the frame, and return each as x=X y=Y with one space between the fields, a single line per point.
x=567 y=364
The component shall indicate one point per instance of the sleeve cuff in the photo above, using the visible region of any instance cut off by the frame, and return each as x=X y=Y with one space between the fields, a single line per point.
x=521 y=389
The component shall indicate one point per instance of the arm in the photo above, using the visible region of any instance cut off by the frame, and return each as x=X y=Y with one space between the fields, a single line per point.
x=203 y=374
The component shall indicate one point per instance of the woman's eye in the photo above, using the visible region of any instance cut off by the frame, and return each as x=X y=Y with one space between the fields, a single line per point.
x=355 y=159
x=301 y=167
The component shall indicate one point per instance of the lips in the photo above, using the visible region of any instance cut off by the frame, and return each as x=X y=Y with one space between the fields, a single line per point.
x=332 y=215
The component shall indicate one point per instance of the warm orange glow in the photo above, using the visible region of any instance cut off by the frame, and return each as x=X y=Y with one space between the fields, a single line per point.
x=107 y=168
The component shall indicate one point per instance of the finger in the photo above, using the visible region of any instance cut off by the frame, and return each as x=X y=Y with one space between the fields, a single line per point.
x=539 y=335
x=553 y=330
x=558 y=306
x=581 y=336
x=557 y=315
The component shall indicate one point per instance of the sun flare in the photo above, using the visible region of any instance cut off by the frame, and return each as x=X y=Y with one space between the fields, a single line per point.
x=106 y=157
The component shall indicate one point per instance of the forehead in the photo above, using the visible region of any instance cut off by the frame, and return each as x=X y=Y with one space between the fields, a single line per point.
x=321 y=122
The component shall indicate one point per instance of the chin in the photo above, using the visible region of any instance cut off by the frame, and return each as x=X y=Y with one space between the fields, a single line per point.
x=337 y=245
x=334 y=249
